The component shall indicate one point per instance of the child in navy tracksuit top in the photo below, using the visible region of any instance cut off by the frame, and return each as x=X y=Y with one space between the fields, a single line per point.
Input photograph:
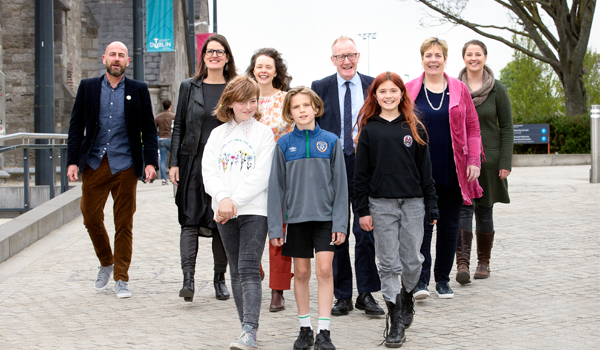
x=308 y=191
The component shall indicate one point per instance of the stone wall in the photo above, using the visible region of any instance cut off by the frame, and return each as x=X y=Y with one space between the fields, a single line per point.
x=173 y=68
x=82 y=30
x=18 y=35
x=164 y=71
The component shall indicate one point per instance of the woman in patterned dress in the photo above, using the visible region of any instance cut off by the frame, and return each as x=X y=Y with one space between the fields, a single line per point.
x=270 y=71
x=495 y=119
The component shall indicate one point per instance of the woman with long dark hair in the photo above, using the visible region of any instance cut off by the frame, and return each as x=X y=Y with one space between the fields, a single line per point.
x=495 y=118
x=198 y=97
x=270 y=72
x=446 y=108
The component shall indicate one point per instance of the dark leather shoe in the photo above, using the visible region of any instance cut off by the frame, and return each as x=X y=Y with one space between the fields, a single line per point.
x=221 y=291
x=187 y=292
x=342 y=307
x=277 y=301
x=366 y=302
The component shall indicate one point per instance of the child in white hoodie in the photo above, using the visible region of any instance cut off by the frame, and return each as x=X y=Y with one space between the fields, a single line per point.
x=235 y=167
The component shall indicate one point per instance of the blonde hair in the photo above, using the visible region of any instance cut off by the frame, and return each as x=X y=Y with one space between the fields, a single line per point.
x=240 y=89
x=315 y=101
x=433 y=41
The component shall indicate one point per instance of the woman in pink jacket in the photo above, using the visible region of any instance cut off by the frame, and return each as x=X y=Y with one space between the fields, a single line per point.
x=446 y=108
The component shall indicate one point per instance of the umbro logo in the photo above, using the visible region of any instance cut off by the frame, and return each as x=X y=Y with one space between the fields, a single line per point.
x=292 y=149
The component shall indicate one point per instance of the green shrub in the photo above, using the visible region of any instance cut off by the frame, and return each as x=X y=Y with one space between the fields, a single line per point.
x=568 y=135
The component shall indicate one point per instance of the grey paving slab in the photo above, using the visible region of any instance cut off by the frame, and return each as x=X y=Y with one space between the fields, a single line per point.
x=542 y=294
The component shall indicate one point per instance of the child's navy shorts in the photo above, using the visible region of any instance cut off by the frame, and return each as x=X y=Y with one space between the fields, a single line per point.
x=302 y=239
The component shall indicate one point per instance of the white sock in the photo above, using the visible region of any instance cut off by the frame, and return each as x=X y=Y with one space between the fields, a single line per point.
x=324 y=323
x=305 y=320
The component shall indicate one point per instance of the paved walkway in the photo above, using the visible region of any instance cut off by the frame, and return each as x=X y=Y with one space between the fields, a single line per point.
x=543 y=292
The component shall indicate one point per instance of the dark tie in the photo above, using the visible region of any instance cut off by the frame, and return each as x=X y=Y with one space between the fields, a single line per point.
x=348 y=143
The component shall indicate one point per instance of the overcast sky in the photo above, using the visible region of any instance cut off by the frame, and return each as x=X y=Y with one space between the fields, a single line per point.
x=304 y=30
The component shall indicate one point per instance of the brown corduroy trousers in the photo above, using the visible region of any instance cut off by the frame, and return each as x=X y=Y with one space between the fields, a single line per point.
x=97 y=184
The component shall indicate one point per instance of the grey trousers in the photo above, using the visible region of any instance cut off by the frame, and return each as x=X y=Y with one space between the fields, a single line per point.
x=244 y=241
x=398 y=232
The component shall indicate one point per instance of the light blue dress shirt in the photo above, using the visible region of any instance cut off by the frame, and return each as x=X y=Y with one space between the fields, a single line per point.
x=357 y=97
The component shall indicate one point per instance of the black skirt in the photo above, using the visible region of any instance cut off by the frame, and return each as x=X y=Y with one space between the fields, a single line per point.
x=193 y=204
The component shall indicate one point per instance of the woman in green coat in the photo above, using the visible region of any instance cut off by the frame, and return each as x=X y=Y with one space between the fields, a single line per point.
x=495 y=118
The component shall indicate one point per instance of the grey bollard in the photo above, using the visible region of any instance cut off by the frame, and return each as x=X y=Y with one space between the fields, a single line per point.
x=595 y=135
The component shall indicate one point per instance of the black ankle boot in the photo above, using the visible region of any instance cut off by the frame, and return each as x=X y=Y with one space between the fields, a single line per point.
x=394 y=328
x=408 y=307
x=221 y=291
x=187 y=292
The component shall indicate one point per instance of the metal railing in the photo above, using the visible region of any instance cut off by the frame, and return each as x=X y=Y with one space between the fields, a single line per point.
x=26 y=145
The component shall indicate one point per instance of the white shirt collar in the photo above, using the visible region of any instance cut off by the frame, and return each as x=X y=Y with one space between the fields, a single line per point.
x=245 y=125
x=341 y=81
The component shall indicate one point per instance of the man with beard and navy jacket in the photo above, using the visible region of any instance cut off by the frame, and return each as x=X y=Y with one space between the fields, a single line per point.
x=109 y=114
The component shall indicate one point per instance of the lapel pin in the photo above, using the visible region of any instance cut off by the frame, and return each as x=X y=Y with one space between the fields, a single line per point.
x=128 y=97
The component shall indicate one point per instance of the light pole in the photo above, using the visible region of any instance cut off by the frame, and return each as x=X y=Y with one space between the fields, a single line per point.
x=368 y=37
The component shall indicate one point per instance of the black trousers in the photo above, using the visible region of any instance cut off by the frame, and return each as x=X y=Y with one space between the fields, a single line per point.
x=449 y=205
x=188 y=248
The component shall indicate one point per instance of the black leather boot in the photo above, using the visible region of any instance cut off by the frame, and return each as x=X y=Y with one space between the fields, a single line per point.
x=408 y=307
x=221 y=291
x=394 y=328
x=187 y=292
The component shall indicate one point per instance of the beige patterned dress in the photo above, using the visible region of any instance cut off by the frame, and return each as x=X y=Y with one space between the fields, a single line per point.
x=271 y=108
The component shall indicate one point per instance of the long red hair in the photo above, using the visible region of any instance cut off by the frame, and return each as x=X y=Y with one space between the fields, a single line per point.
x=371 y=108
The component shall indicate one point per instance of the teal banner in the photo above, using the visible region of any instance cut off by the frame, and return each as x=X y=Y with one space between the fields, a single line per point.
x=159 y=26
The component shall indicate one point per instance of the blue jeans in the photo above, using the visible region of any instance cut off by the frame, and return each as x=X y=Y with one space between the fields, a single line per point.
x=244 y=241
x=164 y=145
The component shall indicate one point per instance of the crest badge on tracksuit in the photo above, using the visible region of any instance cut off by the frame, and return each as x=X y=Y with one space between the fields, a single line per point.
x=322 y=146
x=408 y=140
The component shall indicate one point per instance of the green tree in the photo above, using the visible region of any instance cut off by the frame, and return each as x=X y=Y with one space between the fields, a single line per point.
x=531 y=86
x=560 y=30
x=537 y=97
x=591 y=62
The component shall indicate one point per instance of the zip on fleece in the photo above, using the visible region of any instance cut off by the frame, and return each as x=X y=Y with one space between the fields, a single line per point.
x=307 y=145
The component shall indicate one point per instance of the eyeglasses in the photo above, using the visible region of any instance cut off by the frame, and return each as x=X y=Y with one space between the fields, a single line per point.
x=341 y=58
x=220 y=53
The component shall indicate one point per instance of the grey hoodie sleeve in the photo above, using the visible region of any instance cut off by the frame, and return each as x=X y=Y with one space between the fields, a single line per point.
x=276 y=194
x=340 y=190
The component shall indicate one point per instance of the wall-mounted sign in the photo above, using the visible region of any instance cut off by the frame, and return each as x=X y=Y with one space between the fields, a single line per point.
x=159 y=26
x=532 y=133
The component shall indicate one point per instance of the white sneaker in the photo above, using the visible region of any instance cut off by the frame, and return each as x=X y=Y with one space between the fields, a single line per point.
x=103 y=278
x=421 y=292
x=122 y=290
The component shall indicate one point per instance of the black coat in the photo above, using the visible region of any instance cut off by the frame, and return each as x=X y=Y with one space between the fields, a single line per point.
x=188 y=120
x=83 y=128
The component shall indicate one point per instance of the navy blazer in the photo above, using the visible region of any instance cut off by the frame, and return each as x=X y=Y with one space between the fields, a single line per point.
x=83 y=128
x=327 y=89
